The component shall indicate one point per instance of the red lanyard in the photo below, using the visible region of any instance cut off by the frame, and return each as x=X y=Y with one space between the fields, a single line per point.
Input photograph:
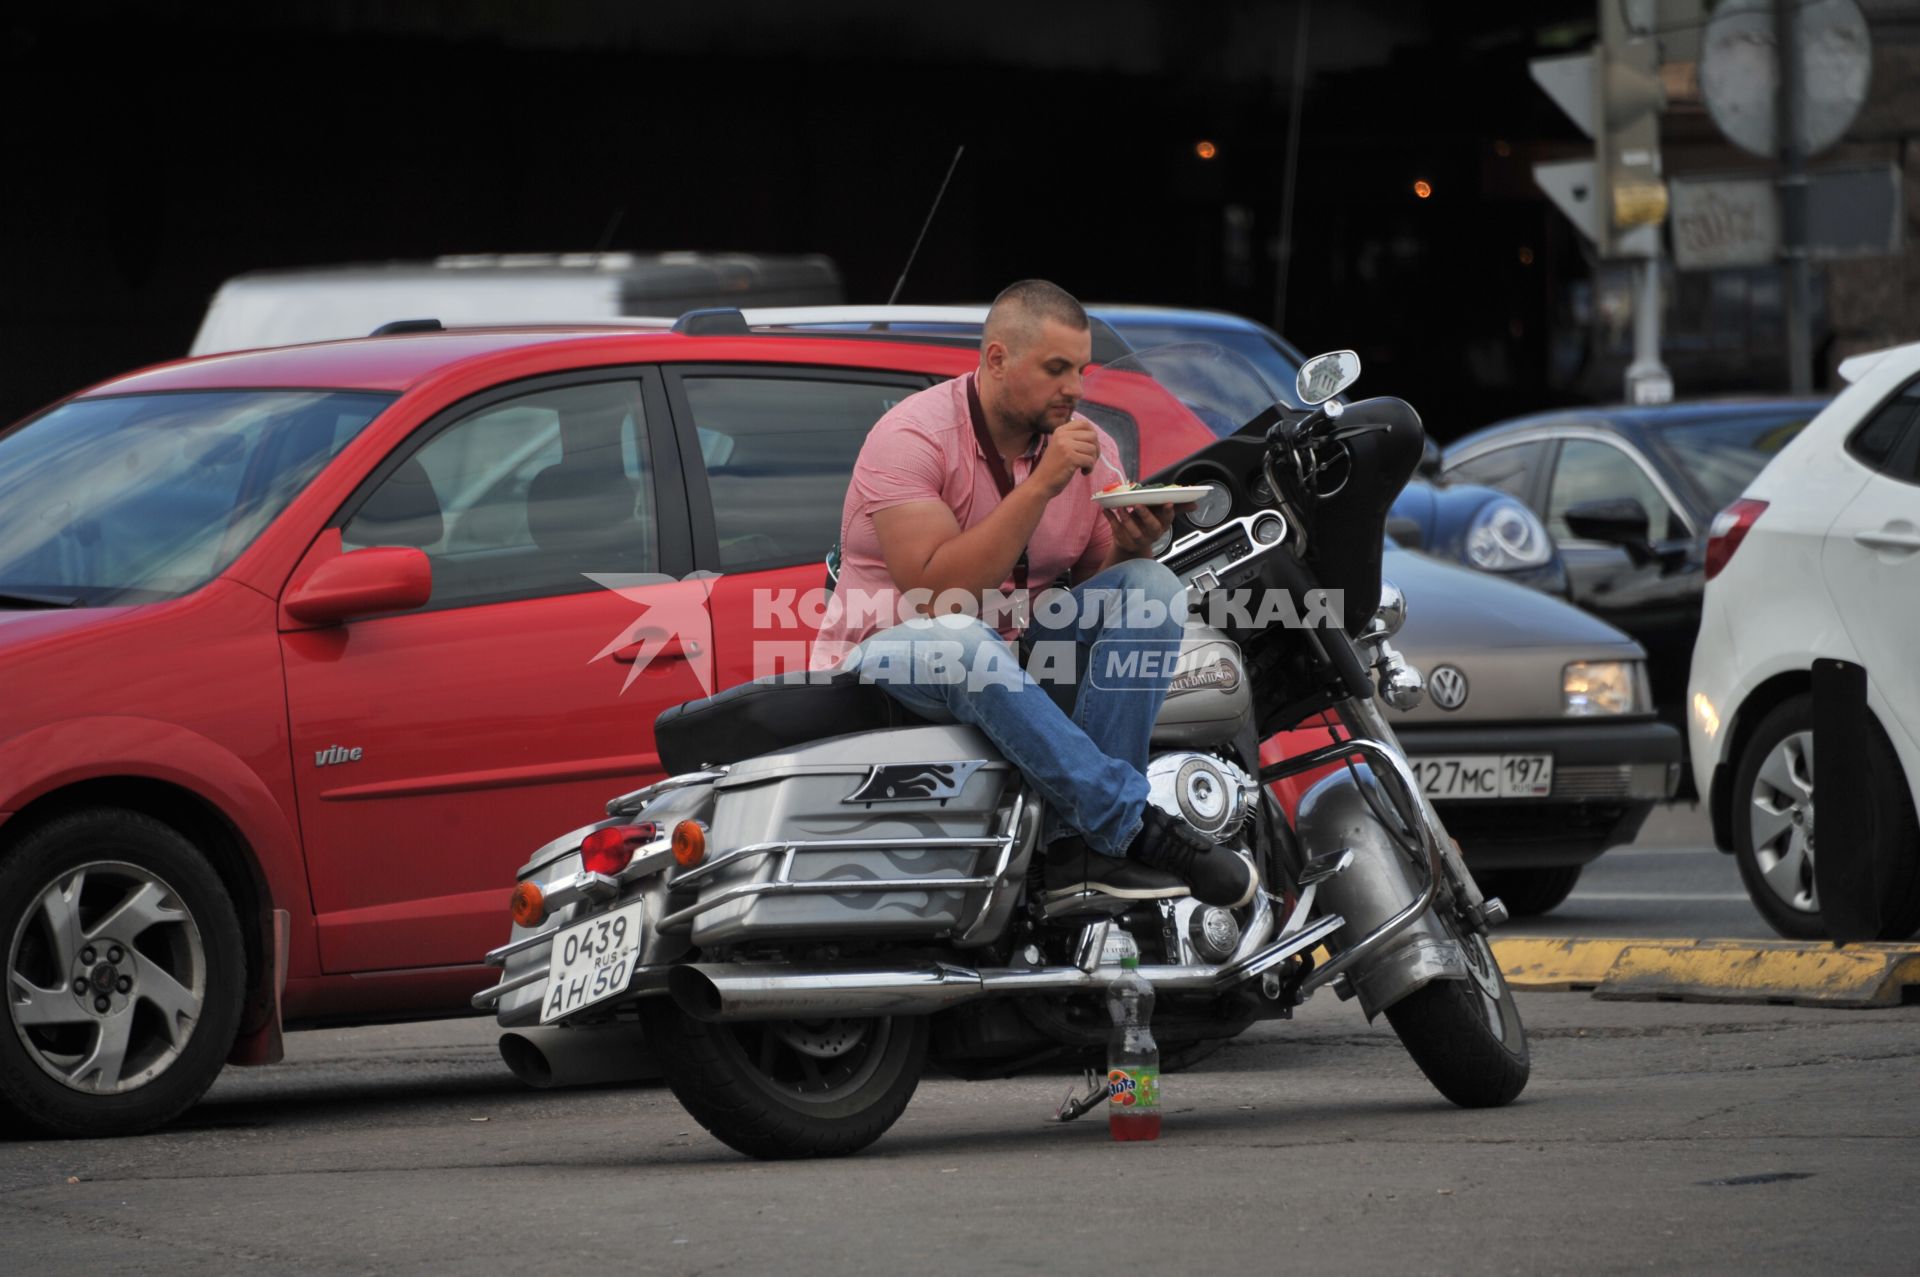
x=1001 y=479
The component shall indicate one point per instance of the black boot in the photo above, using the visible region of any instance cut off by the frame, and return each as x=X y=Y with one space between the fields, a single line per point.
x=1073 y=867
x=1216 y=875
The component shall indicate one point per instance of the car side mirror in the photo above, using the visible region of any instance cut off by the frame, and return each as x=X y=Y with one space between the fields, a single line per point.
x=1407 y=532
x=370 y=582
x=1620 y=521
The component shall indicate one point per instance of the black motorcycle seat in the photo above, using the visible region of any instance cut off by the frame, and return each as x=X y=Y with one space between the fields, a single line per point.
x=769 y=714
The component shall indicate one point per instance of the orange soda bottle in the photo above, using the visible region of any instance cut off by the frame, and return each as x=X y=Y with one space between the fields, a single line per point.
x=1133 y=1058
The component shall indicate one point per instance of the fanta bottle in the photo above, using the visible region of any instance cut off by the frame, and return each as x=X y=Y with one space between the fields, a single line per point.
x=1133 y=1059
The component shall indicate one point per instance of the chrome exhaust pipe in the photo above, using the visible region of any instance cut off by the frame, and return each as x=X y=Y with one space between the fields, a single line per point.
x=727 y=991
x=556 y=1057
x=719 y=992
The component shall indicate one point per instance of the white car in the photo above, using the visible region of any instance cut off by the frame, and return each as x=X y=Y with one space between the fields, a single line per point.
x=1819 y=561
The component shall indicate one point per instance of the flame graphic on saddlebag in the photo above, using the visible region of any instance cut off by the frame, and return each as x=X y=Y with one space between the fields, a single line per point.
x=915 y=782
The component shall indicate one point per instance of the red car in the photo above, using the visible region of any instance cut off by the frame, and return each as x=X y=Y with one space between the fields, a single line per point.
x=300 y=657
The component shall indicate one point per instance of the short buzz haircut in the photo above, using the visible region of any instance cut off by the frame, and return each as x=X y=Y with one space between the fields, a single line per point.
x=1015 y=317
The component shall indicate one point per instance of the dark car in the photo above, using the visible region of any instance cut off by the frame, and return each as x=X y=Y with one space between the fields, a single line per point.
x=1480 y=527
x=1629 y=494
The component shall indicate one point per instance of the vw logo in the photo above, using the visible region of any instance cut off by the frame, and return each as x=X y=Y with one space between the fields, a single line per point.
x=1447 y=686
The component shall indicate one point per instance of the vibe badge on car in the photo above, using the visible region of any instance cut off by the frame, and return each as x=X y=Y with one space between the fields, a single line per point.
x=1485 y=775
x=593 y=961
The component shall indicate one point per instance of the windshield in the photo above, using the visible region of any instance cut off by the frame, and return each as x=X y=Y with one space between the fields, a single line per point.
x=134 y=498
x=1724 y=456
x=1215 y=385
x=1276 y=365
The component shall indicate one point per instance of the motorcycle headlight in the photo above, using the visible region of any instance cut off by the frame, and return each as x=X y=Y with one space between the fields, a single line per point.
x=1505 y=536
x=1592 y=689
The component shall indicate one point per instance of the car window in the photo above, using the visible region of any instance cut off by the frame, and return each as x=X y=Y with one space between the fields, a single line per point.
x=1589 y=470
x=1509 y=469
x=1723 y=457
x=523 y=497
x=1889 y=440
x=778 y=453
x=133 y=498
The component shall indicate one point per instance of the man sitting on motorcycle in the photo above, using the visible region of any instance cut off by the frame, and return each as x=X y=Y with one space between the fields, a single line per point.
x=976 y=489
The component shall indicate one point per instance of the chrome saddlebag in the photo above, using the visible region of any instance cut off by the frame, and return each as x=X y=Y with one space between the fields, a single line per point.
x=913 y=833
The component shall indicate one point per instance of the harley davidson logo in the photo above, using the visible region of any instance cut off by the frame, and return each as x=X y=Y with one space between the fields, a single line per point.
x=1221 y=674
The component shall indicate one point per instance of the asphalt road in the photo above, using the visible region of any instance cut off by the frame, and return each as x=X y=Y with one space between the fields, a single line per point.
x=1672 y=881
x=1673 y=1137
x=1682 y=1138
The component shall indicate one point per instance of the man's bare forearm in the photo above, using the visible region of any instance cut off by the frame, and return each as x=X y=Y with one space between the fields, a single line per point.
x=982 y=557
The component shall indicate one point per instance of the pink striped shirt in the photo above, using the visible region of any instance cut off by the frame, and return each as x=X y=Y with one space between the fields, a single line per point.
x=925 y=450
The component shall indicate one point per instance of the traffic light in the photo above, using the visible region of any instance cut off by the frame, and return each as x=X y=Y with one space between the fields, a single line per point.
x=1613 y=92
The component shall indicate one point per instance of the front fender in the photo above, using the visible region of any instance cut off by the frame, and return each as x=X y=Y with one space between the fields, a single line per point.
x=1334 y=815
x=42 y=762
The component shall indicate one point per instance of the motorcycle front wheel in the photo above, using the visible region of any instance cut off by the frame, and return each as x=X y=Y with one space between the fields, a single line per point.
x=789 y=1088
x=1466 y=1035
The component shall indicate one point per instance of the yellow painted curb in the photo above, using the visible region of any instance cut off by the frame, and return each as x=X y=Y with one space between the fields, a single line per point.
x=1541 y=963
x=1804 y=973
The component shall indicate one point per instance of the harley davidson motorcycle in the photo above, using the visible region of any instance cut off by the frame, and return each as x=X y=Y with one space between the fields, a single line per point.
x=827 y=892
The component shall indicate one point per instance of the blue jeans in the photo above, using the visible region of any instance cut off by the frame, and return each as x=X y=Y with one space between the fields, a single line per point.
x=1103 y=652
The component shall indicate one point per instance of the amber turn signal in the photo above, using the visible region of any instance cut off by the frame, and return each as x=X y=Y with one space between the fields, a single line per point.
x=689 y=844
x=529 y=905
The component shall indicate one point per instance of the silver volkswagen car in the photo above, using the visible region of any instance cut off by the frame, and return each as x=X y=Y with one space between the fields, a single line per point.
x=1537 y=738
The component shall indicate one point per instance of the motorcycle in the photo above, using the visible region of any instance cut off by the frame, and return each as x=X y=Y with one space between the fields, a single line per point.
x=827 y=893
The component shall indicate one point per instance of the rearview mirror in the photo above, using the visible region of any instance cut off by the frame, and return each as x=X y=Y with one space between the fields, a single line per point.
x=1621 y=521
x=1324 y=376
x=371 y=582
x=1430 y=460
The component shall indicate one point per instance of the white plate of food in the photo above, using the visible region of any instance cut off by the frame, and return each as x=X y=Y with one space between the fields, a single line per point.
x=1132 y=494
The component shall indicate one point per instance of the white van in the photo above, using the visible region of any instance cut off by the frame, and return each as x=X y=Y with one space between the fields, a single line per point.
x=284 y=307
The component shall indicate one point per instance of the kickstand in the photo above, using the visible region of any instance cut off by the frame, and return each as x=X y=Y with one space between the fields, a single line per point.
x=1072 y=1107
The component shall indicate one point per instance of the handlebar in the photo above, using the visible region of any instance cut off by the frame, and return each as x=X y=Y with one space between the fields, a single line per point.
x=1313 y=446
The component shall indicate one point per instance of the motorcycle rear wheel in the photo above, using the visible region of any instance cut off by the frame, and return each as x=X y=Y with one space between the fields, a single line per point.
x=1466 y=1035
x=789 y=1089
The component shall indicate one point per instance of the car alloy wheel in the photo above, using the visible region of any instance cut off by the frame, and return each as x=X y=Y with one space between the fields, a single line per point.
x=107 y=976
x=1780 y=822
x=126 y=974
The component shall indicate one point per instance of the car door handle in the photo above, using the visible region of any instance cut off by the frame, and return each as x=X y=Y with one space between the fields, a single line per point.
x=1886 y=540
x=675 y=648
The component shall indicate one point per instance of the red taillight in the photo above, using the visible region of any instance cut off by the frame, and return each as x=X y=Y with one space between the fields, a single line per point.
x=608 y=851
x=1730 y=528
